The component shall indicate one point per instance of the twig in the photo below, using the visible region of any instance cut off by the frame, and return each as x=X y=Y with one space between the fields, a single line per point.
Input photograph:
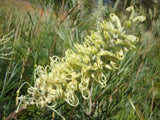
x=14 y=114
x=88 y=112
x=24 y=63
x=125 y=3
x=53 y=45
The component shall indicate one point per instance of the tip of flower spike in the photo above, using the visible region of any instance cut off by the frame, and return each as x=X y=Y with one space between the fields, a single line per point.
x=139 y=18
x=115 y=18
x=129 y=8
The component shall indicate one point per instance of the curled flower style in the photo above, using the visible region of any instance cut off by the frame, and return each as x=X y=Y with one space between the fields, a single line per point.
x=101 y=51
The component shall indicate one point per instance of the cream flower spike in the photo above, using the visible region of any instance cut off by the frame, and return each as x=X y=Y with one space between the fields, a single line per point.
x=101 y=52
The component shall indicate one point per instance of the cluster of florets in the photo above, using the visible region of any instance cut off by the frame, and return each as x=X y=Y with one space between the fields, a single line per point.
x=102 y=51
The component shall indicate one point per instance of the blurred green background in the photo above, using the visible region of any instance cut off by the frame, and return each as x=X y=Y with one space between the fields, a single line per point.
x=31 y=31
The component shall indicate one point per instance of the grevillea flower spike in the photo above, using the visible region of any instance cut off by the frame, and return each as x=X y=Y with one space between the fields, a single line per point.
x=101 y=51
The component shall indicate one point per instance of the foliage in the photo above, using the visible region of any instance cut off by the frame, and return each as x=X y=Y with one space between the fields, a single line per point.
x=132 y=92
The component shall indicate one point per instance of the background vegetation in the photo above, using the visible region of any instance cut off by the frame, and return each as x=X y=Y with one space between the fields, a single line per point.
x=31 y=32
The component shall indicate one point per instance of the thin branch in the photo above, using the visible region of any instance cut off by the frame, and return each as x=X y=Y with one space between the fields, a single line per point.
x=14 y=114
